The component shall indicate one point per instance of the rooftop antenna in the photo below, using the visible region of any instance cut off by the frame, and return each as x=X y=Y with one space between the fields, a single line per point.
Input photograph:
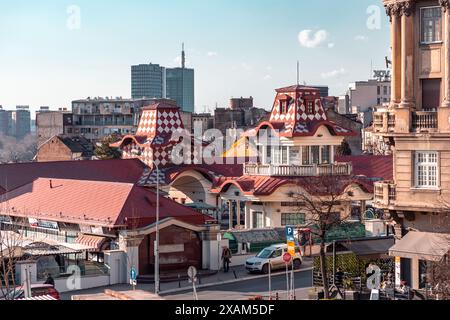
x=183 y=57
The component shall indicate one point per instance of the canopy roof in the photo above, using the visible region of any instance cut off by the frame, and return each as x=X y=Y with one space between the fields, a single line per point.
x=422 y=245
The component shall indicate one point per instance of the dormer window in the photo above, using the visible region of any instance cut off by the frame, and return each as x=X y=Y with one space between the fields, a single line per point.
x=310 y=107
x=431 y=24
x=283 y=107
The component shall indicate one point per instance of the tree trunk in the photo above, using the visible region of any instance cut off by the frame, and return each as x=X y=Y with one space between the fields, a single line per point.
x=323 y=268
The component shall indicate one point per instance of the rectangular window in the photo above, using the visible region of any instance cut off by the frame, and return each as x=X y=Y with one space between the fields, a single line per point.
x=280 y=155
x=431 y=24
x=431 y=93
x=326 y=155
x=315 y=153
x=426 y=169
x=305 y=156
x=258 y=220
x=293 y=219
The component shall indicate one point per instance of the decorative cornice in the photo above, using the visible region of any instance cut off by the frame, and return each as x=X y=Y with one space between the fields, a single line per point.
x=393 y=10
x=407 y=7
x=400 y=8
x=445 y=4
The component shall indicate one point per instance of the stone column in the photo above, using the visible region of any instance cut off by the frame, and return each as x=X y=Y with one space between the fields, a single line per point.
x=403 y=114
x=407 y=54
x=238 y=214
x=444 y=111
x=231 y=214
x=396 y=39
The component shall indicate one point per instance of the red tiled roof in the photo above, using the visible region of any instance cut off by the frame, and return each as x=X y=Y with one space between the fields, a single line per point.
x=16 y=175
x=295 y=88
x=98 y=203
x=372 y=167
x=265 y=186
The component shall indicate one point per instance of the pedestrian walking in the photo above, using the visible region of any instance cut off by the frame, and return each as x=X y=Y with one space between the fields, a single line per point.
x=226 y=258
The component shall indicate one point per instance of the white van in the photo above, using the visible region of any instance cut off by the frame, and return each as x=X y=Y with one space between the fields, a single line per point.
x=274 y=256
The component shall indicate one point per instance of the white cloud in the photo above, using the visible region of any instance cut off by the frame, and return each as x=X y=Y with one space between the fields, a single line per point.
x=267 y=77
x=331 y=45
x=212 y=54
x=361 y=38
x=246 y=66
x=309 y=40
x=269 y=68
x=334 y=74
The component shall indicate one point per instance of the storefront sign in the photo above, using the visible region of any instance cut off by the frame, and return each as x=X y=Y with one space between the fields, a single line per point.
x=43 y=224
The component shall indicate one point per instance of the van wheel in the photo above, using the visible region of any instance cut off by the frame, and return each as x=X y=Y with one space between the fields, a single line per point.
x=297 y=264
x=265 y=269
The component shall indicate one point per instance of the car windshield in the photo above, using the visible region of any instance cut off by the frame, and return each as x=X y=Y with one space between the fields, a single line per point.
x=266 y=253
x=14 y=294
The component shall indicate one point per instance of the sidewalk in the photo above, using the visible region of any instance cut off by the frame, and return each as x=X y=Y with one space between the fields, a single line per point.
x=237 y=273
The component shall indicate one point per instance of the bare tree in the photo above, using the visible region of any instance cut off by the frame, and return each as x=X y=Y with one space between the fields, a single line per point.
x=321 y=200
x=11 y=252
x=13 y=150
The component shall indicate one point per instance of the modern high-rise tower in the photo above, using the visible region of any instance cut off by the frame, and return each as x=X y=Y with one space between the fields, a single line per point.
x=155 y=81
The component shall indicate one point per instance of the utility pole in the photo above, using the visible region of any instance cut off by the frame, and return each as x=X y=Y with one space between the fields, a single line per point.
x=157 y=233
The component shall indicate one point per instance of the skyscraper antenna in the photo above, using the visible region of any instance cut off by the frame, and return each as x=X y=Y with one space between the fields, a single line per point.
x=298 y=72
x=183 y=57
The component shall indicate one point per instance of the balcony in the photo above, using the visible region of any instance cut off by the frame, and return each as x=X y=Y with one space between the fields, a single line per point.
x=424 y=121
x=384 y=122
x=385 y=194
x=298 y=171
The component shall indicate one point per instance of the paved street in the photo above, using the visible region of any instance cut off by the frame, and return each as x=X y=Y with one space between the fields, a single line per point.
x=237 y=284
x=249 y=288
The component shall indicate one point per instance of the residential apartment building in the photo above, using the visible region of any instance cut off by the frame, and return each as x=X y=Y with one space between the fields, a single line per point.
x=365 y=96
x=181 y=87
x=15 y=123
x=417 y=127
x=95 y=118
x=52 y=123
x=241 y=114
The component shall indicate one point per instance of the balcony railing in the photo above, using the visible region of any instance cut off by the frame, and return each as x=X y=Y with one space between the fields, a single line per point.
x=298 y=171
x=385 y=194
x=424 y=120
x=384 y=122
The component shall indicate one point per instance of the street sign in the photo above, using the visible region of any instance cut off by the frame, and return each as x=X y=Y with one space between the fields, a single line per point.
x=192 y=272
x=290 y=236
x=287 y=257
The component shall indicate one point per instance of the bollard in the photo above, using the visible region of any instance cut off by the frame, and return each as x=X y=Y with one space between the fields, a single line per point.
x=277 y=297
x=235 y=276
x=179 y=281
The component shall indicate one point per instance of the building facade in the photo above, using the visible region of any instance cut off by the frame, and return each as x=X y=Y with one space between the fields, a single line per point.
x=417 y=127
x=15 y=123
x=181 y=87
x=95 y=118
x=148 y=81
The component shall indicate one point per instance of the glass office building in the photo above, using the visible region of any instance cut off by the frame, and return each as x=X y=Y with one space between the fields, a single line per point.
x=148 y=81
x=181 y=87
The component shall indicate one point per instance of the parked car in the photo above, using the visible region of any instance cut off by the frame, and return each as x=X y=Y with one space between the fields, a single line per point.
x=37 y=290
x=274 y=256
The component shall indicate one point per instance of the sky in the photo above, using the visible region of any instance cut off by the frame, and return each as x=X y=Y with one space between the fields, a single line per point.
x=56 y=51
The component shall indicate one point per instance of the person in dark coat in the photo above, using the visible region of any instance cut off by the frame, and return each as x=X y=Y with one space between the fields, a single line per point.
x=226 y=258
x=50 y=280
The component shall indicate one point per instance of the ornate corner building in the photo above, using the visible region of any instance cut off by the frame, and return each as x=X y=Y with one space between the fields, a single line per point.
x=417 y=127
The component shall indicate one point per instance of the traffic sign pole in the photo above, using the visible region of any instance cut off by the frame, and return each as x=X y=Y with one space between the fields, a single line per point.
x=270 y=280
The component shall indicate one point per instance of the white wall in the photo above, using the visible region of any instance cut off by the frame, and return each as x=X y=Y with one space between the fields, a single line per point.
x=75 y=283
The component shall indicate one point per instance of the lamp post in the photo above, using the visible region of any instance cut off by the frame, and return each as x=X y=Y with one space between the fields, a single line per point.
x=157 y=232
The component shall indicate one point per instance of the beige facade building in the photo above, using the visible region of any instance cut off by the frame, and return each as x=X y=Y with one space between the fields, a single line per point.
x=417 y=126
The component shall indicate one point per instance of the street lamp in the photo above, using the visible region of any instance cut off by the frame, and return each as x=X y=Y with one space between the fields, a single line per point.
x=157 y=232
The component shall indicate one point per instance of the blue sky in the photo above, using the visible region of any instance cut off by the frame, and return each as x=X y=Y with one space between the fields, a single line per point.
x=238 y=48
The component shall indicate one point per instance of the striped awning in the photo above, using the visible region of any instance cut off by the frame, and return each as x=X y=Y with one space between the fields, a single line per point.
x=91 y=242
x=40 y=298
